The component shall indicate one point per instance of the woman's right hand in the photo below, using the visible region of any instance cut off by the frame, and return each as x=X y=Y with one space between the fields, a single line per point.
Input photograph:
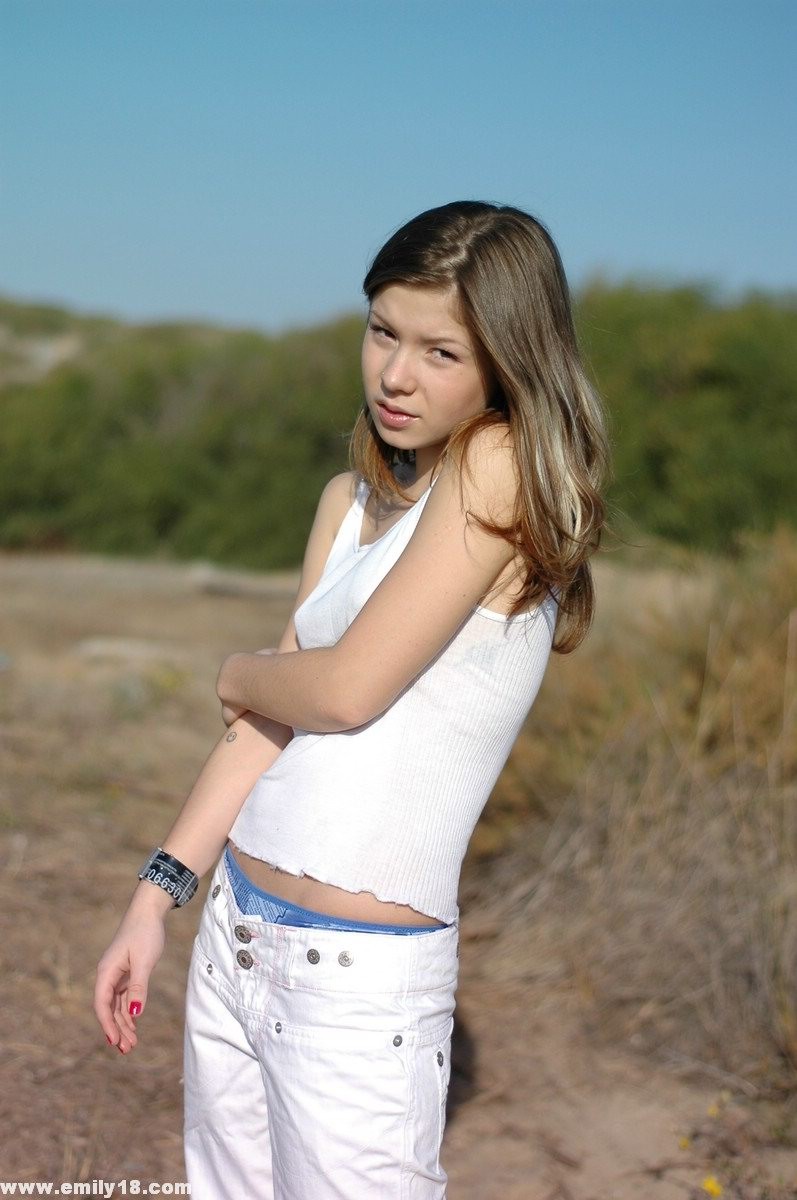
x=124 y=970
x=230 y=715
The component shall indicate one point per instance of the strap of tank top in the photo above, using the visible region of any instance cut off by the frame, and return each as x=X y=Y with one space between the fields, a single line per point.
x=361 y=492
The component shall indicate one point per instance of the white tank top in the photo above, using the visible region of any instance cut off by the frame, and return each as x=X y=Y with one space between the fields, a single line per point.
x=389 y=807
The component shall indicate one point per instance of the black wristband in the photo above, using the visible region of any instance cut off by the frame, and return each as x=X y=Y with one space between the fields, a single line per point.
x=173 y=876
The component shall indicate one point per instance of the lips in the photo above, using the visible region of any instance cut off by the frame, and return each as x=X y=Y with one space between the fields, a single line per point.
x=398 y=411
x=393 y=418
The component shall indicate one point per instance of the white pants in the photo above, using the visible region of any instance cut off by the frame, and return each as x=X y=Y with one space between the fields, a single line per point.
x=316 y=1061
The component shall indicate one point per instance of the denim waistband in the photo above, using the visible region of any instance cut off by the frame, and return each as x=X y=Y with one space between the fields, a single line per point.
x=254 y=902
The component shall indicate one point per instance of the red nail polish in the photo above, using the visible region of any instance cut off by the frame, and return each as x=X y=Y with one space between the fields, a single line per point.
x=135 y=1008
x=121 y=1051
x=108 y=1040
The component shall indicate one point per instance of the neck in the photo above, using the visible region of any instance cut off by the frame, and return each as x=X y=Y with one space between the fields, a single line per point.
x=426 y=459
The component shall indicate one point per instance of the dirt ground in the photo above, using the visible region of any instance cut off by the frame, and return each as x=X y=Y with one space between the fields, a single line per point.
x=106 y=714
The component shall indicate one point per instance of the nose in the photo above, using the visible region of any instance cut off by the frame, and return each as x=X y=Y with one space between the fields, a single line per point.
x=397 y=373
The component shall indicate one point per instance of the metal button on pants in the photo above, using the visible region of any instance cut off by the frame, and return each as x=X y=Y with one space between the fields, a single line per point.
x=315 y=1076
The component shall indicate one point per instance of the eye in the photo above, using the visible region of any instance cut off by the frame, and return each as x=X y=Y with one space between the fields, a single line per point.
x=379 y=329
x=445 y=353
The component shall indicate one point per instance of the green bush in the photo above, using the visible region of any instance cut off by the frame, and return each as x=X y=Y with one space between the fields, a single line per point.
x=198 y=442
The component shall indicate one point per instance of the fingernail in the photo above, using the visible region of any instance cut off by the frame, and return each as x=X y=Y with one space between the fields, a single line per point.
x=108 y=1040
x=121 y=1051
x=135 y=1008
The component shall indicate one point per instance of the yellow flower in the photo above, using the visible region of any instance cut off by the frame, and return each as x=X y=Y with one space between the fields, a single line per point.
x=684 y=1142
x=712 y=1185
x=713 y=1110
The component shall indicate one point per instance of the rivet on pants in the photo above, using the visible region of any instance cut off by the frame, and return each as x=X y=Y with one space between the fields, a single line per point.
x=216 y=891
x=210 y=968
x=345 y=959
x=242 y=933
x=278 y=1026
x=397 y=1040
x=313 y=956
x=245 y=959
x=440 y=1058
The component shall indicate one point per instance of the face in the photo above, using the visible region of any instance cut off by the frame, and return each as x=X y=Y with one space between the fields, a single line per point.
x=418 y=360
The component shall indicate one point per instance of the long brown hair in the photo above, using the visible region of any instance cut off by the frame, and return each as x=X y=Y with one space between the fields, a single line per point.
x=514 y=299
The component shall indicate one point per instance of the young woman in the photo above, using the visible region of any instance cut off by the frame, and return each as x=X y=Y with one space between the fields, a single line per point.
x=439 y=573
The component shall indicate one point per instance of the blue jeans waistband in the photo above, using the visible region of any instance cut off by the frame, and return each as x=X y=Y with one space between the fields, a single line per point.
x=254 y=902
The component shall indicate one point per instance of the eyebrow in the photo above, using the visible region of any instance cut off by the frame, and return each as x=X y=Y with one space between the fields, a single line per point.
x=426 y=341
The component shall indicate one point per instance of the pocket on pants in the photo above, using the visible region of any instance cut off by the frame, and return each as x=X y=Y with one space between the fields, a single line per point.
x=338 y=1100
x=208 y=969
x=429 y=1069
x=357 y=1106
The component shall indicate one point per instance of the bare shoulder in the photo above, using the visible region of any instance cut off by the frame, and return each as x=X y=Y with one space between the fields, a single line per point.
x=489 y=473
x=491 y=449
x=336 y=499
x=334 y=502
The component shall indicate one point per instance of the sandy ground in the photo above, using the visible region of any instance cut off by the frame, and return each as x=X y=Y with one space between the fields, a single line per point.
x=106 y=700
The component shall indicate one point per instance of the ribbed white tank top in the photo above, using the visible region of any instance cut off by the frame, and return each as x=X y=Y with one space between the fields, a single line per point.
x=389 y=807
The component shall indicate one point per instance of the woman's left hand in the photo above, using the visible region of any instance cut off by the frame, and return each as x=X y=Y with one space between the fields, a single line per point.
x=229 y=713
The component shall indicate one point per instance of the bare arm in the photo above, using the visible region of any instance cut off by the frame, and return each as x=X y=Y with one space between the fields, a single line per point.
x=244 y=752
x=197 y=837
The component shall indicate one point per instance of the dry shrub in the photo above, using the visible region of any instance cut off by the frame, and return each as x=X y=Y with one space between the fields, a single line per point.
x=665 y=890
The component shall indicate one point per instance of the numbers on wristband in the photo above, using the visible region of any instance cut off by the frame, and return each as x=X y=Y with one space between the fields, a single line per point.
x=180 y=884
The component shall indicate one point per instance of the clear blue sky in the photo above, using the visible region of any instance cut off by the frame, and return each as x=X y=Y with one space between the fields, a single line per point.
x=242 y=160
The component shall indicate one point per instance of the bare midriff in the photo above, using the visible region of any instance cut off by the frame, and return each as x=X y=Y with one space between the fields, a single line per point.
x=325 y=898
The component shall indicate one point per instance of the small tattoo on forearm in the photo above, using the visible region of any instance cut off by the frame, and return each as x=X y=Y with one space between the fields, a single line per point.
x=231 y=736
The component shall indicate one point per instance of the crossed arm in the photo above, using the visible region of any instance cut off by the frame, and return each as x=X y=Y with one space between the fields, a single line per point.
x=445 y=569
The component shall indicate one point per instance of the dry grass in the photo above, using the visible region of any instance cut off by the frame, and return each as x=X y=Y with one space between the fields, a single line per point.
x=665 y=888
